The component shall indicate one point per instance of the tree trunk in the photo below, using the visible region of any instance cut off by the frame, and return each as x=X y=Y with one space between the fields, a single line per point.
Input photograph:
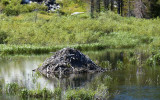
x=119 y=6
x=139 y=9
x=129 y=9
x=98 y=6
x=112 y=5
x=92 y=8
x=106 y=5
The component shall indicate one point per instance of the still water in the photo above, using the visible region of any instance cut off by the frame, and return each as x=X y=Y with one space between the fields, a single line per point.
x=135 y=82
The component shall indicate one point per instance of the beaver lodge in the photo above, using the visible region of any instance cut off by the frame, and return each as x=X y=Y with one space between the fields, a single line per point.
x=67 y=61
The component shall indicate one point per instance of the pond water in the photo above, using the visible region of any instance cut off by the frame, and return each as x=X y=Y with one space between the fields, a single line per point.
x=134 y=82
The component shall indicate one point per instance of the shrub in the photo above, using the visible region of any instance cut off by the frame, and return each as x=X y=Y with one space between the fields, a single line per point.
x=3 y=36
x=13 y=8
x=5 y=2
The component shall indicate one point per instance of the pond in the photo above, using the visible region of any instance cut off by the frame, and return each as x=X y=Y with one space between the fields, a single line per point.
x=133 y=82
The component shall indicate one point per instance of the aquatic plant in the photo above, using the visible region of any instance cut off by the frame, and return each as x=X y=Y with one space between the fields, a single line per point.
x=153 y=60
x=120 y=65
x=57 y=93
x=106 y=64
x=44 y=93
x=1 y=88
x=80 y=94
x=12 y=88
x=100 y=87
x=16 y=89
x=3 y=36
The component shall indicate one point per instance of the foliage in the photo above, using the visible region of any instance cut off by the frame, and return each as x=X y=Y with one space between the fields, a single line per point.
x=12 y=88
x=44 y=93
x=80 y=94
x=1 y=87
x=3 y=36
x=109 y=30
x=120 y=65
x=154 y=60
x=14 y=7
x=70 y=6
x=57 y=93
x=106 y=64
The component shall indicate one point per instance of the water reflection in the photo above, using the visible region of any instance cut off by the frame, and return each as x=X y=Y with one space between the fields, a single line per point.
x=135 y=82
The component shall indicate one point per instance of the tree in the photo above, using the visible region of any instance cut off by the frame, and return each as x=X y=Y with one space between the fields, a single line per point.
x=106 y=5
x=155 y=8
x=119 y=6
x=92 y=8
x=112 y=5
x=139 y=9
x=98 y=5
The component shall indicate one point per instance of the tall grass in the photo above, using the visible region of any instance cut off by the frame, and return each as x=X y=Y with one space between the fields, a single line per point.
x=80 y=94
x=16 y=89
x=108 y=30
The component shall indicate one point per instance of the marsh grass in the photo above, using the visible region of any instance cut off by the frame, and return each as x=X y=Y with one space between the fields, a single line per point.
x=12 y=88
x=106 y=64
x=80 y=94
x=100 y=91
x=32 y=49
x=154 y=60
x=1 y=86
x=120 y=65
x=16 y=89
x=44 y=93
x=107 y=30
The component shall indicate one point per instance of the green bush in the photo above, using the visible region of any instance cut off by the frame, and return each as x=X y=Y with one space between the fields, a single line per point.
x=14 y=7
x=5 y=2
x=3 y=37
x=12 y=10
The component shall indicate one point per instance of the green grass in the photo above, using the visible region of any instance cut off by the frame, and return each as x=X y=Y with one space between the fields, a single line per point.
x=51 y=32
x=44 y=93
x=70 y=94
x=37 y=49
x=80 y=94
x=16 y=89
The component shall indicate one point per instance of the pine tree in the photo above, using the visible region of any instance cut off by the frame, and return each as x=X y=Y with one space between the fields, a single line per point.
x=119 y=6
x=92 y=8
x=98 y=5
x=106 y=5
x=112 y=5
x=139 y=9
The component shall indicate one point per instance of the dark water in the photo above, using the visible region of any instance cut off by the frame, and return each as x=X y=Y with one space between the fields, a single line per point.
x=135 y=82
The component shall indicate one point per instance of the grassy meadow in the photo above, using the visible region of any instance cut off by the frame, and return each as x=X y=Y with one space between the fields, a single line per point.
x=37 y=32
